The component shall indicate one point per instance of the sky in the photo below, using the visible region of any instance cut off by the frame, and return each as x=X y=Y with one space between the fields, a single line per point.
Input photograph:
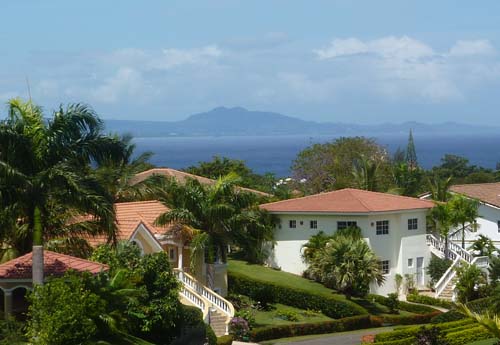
x=339 y=61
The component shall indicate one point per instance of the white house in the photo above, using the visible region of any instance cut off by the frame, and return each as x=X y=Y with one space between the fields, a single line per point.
x=488 y=195
x=394 y=227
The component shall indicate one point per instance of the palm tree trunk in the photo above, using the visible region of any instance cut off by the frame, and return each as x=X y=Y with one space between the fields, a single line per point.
x=37 y=259
x=446 y=247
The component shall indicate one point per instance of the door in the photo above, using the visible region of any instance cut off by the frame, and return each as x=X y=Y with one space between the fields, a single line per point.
x=420 y=271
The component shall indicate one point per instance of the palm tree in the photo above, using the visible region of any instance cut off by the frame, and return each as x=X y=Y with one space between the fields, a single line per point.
x=440 y=219
x=439 y=188
x=464 y=211
x=314 y=245
x=366 y=173
x=213 y=213
x=489 y=321
x=484 y=246
x=44 y=167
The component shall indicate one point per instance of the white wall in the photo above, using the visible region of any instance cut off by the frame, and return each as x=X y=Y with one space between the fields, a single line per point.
x=488 y=217
x=399 y=245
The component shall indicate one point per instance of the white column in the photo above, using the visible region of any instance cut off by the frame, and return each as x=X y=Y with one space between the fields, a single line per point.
x=7 y=303
x=179 y=255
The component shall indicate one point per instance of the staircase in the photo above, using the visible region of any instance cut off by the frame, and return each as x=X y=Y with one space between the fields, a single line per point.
x=217 y=311
x=445 y=287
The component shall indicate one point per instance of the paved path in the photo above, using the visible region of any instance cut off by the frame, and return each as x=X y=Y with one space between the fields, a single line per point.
x=350 y=338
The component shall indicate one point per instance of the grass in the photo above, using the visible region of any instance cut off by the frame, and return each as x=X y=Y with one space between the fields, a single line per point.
x=280 y=277
x=271 y=317
x=491 y=341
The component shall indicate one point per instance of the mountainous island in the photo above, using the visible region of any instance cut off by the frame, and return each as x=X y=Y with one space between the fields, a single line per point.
x=239 y=121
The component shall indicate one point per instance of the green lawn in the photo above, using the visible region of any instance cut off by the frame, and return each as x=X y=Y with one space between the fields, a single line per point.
x=491 y=341
x=271 y=317
x=275 y=276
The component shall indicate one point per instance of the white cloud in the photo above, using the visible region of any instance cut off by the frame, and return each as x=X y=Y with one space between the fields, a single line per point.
x=126 y=82
x=172 y=57
x=472 y=48
x=404 y=48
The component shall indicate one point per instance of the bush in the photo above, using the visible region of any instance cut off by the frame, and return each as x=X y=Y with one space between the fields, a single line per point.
x=437 y=267
x=329 y=304
x=408 y=332
x=63 y=312
x=193 y=328
x=449 y=316
x=11 y=332
x=412 y=308
x=294 y=330
x=225 y=340
x=248 y=315
x=416 y=319
x=392 y=302
x=238 y=328
x=210 y=335
x=468 y=335
x=430 y=336
x=287 y=315
x=430 y=300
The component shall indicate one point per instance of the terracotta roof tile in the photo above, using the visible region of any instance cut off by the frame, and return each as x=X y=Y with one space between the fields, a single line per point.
x=182 y=177
x=486 y=192
x=348 y=201
x=128 y=217
x=55 y=264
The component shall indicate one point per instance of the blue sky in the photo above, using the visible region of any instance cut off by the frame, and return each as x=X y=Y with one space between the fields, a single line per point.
x=348 y=61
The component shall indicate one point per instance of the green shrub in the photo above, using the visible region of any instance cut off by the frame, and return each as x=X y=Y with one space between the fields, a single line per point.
x=288 y=315
x=329 y=304
x=437 y=267
x=225 y=340
x=11 y=332
x=392 y=302
x=406 y=341
x=468 y=335
x=210 y=335
x=412 y=308
x=449 y=316
x=406 y=332
x=415 y=319
x=430 y=301
x=430 y=336
x=294 y=330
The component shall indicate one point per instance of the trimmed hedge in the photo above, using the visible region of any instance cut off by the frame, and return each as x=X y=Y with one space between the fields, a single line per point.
x=468 y=335
x=406 y=332
x=412 y=308
x=416 y=319
x=430 y=301
x=225 y=340
x=449 y=316
x=294 y=330
x=329 y=304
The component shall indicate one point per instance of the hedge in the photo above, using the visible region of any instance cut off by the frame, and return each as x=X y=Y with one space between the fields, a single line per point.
x=412 y=331
x=294 y=330
x=415 y=319
x=468 y=335
x=225 y=340
x=449 y=316
x=412 y=308
x=430 y=301
x=331 y=305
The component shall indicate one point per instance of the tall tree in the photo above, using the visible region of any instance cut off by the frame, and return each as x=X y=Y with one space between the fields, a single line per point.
x=411 y=153
x=44 y=168
x=441 y=220
x=214 y=213
x=464 y=213
x=365 y=173
x=439 y=188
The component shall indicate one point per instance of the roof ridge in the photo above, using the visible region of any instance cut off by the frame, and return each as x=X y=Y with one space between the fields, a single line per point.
x=474 y=184
x=138 y=202
x=304 y=197
x=357 y=198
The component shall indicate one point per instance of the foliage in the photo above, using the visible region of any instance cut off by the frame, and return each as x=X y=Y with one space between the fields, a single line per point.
x=12 y=332
x=225 y=340
x=287 y=315
x=410 y=284
x=469 y=278
x=430 y=336
x=294 y=330
x=408 y=180
x=63 y=312
x=483 y=246
x=248 y=315
x=439 y=187
x=392 y=302
x=488 y=321
x=329 y=304
x=440 y=220
x=314 y=244
x=238 y=328
x=348 y=265
x=124 y=255
x=410 y=307
x=422 y=299
x=398 y=281
x=464 y=212
x=494 y=270
x=449 y=316
x=365 y=173
x=323 y=166
x=437 y=267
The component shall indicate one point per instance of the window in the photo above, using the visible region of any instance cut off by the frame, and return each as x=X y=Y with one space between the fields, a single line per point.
x=382 y=227
x=171 y=254
x=346 y=224
x=292 y=224
x=413 y=224
x=384 y=266
x=313 y=224
x=498 y=225
x=410 y=263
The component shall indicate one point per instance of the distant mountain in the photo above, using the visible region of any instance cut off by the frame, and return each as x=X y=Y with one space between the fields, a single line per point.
x=239 y=121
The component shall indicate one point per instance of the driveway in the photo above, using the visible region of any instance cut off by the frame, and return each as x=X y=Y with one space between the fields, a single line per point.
x=347 y=338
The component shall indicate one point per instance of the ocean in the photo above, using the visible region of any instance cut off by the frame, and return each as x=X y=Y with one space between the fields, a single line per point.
x=275 y=154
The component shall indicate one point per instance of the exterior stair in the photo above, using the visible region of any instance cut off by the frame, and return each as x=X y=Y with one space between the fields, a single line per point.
x=217 y=311
x=446 y=285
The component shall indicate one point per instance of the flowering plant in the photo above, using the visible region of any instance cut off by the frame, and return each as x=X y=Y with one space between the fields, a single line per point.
x=238 y=328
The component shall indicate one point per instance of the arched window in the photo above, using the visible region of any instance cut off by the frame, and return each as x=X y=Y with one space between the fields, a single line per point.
x=19 y=302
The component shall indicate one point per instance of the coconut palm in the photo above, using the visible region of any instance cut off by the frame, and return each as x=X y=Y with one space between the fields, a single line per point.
x=464 y=212
x=439 y=188
x=366 y=173
x=489 y=321
x=484 y=246
x=440 y=220
x=44 y=168
x=213 y=213
x=314 y=245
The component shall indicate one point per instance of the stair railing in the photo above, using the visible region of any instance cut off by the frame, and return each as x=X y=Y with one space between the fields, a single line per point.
x=447 y=277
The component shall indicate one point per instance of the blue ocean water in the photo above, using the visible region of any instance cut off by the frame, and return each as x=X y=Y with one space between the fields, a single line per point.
x=276 y=154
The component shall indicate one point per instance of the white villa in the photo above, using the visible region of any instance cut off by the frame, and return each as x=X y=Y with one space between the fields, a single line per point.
x=488 y=195
x=394 y=227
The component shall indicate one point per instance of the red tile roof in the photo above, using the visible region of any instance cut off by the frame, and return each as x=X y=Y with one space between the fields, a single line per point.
x=128 y=217
x=486 y=192
x=181 y=177
x=55 y=264
x=348 y=201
